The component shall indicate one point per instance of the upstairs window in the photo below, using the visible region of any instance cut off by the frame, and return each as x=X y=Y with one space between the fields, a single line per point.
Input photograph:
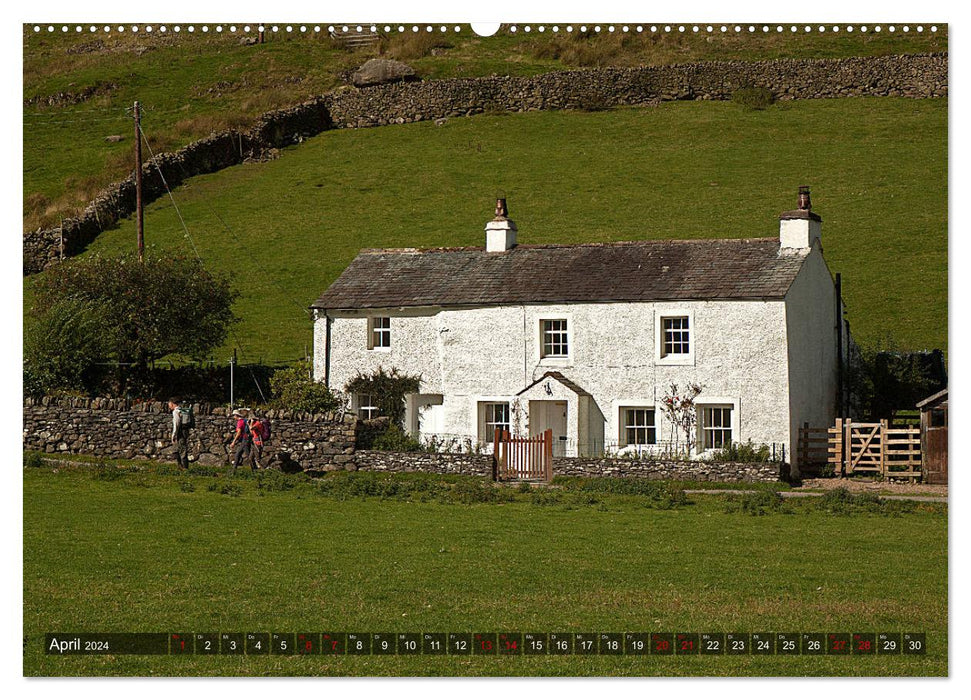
x=716 y=427
x=675 y=336
x=637 y=426
x=555 y=338
x=379 y=332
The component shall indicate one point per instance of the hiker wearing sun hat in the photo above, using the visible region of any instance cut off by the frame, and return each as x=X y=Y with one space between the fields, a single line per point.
x=242 y=441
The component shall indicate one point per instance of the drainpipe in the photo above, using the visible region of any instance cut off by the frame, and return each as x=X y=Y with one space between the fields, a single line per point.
x=327 y=322
x=839 y=345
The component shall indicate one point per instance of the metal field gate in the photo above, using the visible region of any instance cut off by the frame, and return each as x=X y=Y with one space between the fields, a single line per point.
x=523 y=458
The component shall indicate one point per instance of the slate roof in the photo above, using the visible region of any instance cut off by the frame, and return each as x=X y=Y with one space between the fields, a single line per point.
x=656 y=270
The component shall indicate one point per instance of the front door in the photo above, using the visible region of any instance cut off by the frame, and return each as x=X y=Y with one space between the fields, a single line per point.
x=549 y=415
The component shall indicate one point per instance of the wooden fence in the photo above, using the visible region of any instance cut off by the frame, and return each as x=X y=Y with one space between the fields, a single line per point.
x=863 y=448
x=519 y=458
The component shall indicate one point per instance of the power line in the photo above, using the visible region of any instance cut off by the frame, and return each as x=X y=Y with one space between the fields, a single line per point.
x=195 y=250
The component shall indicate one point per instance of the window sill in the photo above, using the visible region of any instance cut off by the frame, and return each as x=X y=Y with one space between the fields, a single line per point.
x=675 y=360
x=556 y=361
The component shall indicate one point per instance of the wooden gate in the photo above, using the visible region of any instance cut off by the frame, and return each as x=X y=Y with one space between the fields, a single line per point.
x=523 y=458
x=874 y=448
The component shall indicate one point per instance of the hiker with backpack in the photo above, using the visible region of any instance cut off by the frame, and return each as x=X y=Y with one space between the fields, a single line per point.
x=183 y=420
x=260 y=430
x=242 y=441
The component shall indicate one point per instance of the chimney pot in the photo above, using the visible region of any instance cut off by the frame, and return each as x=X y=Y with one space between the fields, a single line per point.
x=804 y=201
x=501 y=231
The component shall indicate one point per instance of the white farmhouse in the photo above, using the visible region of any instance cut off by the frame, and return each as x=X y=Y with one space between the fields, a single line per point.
x=587 y=339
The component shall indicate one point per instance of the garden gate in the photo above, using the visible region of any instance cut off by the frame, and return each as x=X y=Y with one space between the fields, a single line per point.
x=523 y=458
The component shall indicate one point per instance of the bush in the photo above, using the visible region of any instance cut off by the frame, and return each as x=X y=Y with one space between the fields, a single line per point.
x=33 y=460
x=757 y=503
x=295 y=390
x=106 y=471
x=754 y=97
x=187 y=487
x=655 y=494
x=63 y=346
x=394 y=439
x=480 y=490
x=739 y=452
x=387 y=389
x=842 y=502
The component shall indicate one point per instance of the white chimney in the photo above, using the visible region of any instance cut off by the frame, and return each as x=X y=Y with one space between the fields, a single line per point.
x=501 y=231
x=800 y=228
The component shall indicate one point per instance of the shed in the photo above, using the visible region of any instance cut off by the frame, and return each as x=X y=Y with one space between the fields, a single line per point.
x=933 y=437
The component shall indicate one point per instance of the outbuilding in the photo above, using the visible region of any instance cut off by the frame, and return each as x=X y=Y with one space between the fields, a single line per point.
x=933 y=437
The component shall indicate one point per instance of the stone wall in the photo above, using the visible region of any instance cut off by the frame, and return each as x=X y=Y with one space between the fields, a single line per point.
x=435 y=463
x=917 y=76
x=121 y=429
x=481 y=465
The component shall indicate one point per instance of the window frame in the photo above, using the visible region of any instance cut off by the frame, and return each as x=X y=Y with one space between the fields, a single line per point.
x=487 y=428
x=364 y=408
x=705 y=429
x=690 y=336
x=625 y=426
x=383 y=331
x=565 y=341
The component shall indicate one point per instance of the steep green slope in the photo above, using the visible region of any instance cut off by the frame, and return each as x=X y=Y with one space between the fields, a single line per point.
x=193 y=83
x=878 y=169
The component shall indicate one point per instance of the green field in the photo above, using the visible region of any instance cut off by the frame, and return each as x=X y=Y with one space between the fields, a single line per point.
x=191 y=84
x=108 y=549
x=285 y=229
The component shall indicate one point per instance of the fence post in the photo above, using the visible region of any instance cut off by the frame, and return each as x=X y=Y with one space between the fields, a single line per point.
x=884 y=425
x=838 y=447
x=847 y=467
x=548 y=453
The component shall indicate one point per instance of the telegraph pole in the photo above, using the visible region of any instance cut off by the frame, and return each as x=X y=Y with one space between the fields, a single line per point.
x=139 y=214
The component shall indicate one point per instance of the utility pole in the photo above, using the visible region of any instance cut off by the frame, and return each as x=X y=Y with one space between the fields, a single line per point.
x=232 y=364
x=139 y=214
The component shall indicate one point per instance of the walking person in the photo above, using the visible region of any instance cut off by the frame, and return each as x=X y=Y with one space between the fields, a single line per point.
x=182 y=422
x=256 y=429
x=242 y=442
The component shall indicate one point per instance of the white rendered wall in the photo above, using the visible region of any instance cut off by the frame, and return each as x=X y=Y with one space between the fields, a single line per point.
x=811 y=328
x=477 y=354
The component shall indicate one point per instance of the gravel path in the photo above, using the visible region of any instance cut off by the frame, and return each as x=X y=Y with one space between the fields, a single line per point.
x=809 y=494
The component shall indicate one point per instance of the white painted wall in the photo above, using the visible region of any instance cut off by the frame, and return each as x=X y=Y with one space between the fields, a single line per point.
x=739 y=352
x=812 y=349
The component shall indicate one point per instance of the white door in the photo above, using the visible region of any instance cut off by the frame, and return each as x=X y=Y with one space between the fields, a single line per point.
x=550 y=415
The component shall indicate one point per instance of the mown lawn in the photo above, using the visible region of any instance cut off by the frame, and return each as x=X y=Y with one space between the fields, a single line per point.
x=286 y=229
x=111 y=549
x=192 y=83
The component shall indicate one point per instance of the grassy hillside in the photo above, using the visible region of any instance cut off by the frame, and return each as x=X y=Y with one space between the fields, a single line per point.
x=878 y=168
x=191 y=84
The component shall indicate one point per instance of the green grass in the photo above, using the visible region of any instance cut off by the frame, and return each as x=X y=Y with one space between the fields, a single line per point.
x=139 y=552
x=191 y=84
x=878 y=169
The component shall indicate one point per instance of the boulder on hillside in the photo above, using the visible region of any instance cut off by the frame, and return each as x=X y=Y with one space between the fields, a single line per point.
x=380 y=71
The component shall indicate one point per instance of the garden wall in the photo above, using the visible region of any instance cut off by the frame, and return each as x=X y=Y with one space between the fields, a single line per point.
x=121 y=429
x=917 y=76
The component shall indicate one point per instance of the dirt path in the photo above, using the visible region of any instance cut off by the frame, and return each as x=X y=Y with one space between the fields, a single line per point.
x=877 y=487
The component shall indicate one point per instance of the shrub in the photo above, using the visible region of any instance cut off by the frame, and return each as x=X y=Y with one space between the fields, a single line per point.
x=546 y=497
x=394 y=439
x=106 y=471
x=388 y=390
x=742 y=452
x=757 y=503
x=63 y=346
x=294 y=389
x=754 y=97
x=654 y=494
x=187 y=487
x=33 y=460
x=471 y=491
x=233 y=490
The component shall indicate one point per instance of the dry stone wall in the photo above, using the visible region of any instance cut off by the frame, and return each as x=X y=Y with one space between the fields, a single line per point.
x=121 y=429
x=915 y=76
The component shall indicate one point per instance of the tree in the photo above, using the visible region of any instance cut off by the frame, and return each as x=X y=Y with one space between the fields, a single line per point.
x=883 y=380
x=64 y=346
x=679 y=407
x=164 y=306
